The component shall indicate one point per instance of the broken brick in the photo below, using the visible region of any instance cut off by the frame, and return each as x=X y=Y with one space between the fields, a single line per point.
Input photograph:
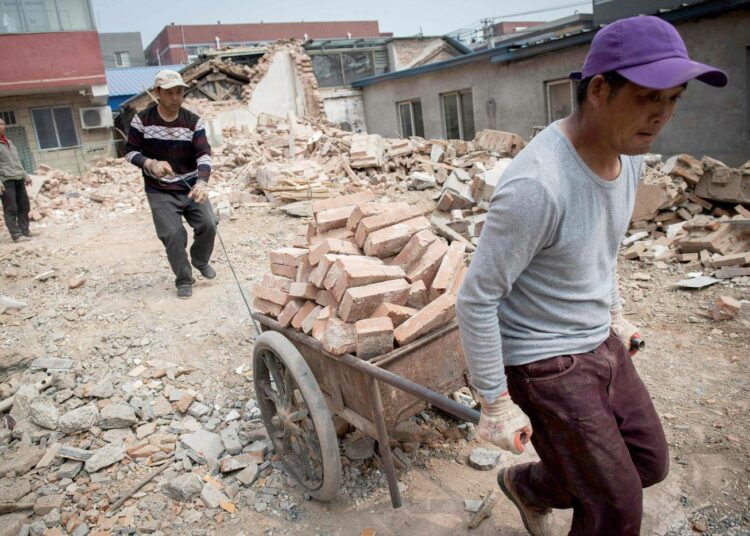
x=332 y=245
x=271 y=294
x=287 y=256
x=302 y=314
x=275 y=281
x=284 y=270
x=417 y=295
x=342 y=201
x=414 y=248
x=289 y=311
x=307 y=291
x=366 y=210
x=334 y=218
x=308 y=322
x=356 y=273
x=397 y=313
x=427 y=266
x=374 y=337
x=266 y=307
x=340 y=337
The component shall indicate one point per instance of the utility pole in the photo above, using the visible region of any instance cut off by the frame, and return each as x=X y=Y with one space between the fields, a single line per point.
x=488 y=31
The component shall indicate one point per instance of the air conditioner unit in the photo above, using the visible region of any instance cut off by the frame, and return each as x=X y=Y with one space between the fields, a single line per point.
x=96 y=117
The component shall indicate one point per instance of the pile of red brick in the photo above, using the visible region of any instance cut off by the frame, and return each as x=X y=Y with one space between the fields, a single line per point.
x=363 y=277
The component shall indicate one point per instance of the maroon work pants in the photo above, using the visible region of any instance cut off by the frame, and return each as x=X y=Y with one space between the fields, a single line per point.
x=598 y=436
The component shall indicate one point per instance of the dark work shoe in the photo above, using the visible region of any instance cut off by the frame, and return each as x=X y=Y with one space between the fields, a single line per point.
x=207 y=271
x=184 y=292
x=537 y=522
x=29 y=234
x=20 y=238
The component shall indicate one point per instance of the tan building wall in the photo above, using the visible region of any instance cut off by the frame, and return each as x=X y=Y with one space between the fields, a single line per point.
x=93 y=144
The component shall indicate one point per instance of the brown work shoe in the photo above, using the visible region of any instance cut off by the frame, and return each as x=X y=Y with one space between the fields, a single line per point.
x=537 y=522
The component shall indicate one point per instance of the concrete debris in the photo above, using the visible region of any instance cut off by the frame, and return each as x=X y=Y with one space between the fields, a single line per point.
x=484 y=459
x=184 y=487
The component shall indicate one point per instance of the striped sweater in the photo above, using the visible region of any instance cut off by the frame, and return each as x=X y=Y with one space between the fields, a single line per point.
x=181 y=142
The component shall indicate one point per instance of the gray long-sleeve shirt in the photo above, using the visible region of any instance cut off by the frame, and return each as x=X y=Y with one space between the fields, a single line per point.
x=542 y=280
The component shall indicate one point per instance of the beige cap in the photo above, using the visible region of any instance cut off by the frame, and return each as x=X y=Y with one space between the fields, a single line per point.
x=168 y=79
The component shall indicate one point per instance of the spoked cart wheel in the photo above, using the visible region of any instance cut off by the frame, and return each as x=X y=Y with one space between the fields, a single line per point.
x=296 y=416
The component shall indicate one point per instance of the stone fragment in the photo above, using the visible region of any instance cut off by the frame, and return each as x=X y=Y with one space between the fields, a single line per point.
x=211 y=496
x=725 y=308
x=44 y=413
x=248 y=475
x=21 y=462
x=183 y=487
x=72 y=453
x=145 y=430
x=104 y=457
x=49 y=456
x=79 y=419
x=231 y=440
x=198 y=410
x=103 y=389
x=70 y=469
x=52 y=363
x=46 y=503
x=207 y=445
x=117 y=416
x=484 y=459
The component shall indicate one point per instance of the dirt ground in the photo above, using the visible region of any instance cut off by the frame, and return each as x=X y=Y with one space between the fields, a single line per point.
x=696 y=369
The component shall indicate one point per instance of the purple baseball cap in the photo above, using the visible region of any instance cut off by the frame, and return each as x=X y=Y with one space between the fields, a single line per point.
x=647 y=51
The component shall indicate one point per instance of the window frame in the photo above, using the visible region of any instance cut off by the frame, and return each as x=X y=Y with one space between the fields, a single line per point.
x=459 y=108
x=5 y=115
x=54 y=123
x=119 y=57
x=547 y=95
x=410 y=103
x=339 y=52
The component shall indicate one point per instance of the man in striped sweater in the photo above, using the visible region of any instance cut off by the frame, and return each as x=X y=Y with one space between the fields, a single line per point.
x=169 y=144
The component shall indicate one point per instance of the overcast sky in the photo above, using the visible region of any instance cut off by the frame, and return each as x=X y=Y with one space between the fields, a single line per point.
x=402 y=17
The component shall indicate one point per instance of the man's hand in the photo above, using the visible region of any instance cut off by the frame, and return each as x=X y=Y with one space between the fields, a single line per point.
x=27 y=181
x=199 y=193
x=503 y=424
x=624 y=330
x=2 y=187
x=158 y=168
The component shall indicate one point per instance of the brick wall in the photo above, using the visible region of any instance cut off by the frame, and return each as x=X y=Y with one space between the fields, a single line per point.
x=93 y=143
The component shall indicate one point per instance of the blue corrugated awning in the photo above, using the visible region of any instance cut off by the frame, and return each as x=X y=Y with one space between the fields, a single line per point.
x=133 y=80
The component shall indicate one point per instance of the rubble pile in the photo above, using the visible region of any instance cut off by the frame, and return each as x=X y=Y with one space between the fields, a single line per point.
x=112 y=185
x=75 y=445
x=363 y=277
x=692 y=212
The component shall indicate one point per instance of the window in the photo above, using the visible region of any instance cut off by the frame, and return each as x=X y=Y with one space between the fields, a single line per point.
x=341 y=68
x=122 y=59
x=327 y=69
x=560 y=98
x=54 y=127
x=410 y=118
x=9 y=118
x=27 y=16
x=458 y=115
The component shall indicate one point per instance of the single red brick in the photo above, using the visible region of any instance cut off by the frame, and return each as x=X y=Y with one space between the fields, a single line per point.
x=360 y=302
x=355 y=273
x=414 y=248
x=307 y=291
x=432 y=316
x=332 y=245
x=366 y=210
x=290 y=310
x=338 y=234
x=374 y=337
x=287 y=256
x=309 y=321
x=275 y=281
x=451 y=264
x=342 y=201
x=274 y=295
x=266 y=307
x=391 y=217
x=390 y=240
x=417 y=295
x=427 y=266
x=334 y=218
x=282 y=270
x=302 y=314
x=325 y=298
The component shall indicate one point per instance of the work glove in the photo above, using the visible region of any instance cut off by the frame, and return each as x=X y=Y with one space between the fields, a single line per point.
x=199 y=193
x=159 y=169
x=624 y=330
x=504 y=424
